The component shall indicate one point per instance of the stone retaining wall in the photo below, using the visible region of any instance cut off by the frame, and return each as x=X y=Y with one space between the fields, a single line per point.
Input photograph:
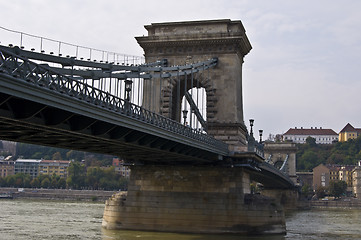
x=342 y=203
x=59 y=194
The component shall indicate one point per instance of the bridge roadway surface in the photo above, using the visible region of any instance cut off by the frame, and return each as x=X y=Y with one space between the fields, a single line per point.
x=38 y=107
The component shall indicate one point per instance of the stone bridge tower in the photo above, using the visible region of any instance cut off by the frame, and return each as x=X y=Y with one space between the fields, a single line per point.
x=195 y=41
x=278 y=153
x=210 y=197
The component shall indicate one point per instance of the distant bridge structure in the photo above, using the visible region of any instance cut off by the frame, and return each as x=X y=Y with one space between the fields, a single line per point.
x=140 y=112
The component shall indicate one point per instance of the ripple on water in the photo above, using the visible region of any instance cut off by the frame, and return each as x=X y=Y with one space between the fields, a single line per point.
x=28 y=219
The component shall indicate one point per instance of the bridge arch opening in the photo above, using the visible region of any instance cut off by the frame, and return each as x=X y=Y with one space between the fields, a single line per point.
x=188 y=115
x=183 y=97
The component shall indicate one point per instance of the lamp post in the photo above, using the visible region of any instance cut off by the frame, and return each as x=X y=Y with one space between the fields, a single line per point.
x=260 y=135
x=185 y=112
x=251 y=121
x=128 y=88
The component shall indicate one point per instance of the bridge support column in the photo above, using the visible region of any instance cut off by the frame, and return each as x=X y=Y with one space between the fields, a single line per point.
x=288 y=198
x=204 y=199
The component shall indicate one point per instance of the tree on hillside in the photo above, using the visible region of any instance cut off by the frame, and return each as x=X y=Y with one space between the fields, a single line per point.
x=310 y=141
x=310 y=155
x=308 y=160
x=57 y=156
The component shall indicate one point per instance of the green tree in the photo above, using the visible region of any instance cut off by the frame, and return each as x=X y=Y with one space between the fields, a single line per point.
x=26 y=181
x=37 y=155
x=76 y=175
x=306 y=191
x=337 y=188
x=62 y=183
x=22 y=180
x=310 y=141
x=45 y=183
x=54 y=183
x=18 y=182
x=308 y=160
x=321 y=192
x=2 y=182
x=35 y=183
x=57 y=156
x=10 y=180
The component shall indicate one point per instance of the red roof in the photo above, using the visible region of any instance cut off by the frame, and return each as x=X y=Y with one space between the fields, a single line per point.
x=55 y=161
x=332 y=167
x=350 y=128
x=310 y=131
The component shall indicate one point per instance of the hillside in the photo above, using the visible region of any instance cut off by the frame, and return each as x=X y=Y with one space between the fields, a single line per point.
x=310 y=155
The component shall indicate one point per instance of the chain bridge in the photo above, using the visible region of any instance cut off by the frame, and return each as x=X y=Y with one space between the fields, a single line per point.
x=176 y=118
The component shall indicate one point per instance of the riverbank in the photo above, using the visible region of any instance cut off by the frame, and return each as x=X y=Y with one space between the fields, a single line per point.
x=57 y=194
x=338 y=203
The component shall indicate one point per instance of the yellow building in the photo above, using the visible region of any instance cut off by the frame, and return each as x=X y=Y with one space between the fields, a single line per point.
x=345 y=174
x=348 y=132
x=57 y=167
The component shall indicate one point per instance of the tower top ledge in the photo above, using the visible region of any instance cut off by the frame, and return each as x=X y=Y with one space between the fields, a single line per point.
x=197 y=32
x=196 y=27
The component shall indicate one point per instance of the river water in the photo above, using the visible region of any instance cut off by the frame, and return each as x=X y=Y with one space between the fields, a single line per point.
x=37 y=219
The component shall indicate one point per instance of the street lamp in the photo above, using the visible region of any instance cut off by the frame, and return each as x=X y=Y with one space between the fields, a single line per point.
x=185 y=112
x=128 y=89
x=251 y=121
x=260 y=135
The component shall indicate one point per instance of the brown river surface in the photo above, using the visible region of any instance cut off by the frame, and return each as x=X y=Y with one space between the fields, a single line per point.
x=41 y=219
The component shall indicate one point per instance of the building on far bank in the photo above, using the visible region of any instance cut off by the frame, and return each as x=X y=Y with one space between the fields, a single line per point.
x=27 y=166
x=322 y=136
x=321 y=176
x=57 y=167
x=345 y=174
x=6 y=168
x=324 y=174
x=120 y=168
x=356 y=181
x=349 y=132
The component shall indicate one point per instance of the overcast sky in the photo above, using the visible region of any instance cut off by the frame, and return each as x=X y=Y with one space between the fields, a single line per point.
x=303 y=70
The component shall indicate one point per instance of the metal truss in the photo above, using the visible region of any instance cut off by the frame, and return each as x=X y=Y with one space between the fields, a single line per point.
x=50 y=78
x=76 y=68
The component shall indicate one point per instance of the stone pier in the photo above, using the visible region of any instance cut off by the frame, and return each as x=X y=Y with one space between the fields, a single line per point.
x=206 y=199
x=288 y=198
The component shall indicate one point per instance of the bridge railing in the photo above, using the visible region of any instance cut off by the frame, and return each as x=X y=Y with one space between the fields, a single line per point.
x=60 y=48
x=43 y=76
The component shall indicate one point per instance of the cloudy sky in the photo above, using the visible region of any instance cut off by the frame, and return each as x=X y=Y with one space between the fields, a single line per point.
x=303 y=71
